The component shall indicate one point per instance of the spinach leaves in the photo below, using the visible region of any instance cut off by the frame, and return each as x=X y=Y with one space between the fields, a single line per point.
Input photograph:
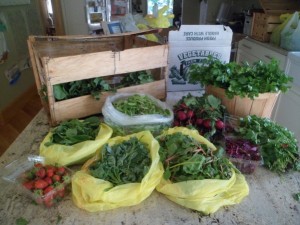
x=80 y=88
x=126 y=162
x=186 y=159
x=279 y=148
x=74 y=131
x=135 y=78
x=241 y=80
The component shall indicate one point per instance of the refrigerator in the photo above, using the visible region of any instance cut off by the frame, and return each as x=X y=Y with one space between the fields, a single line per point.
x=84 y=17
x=288 y=105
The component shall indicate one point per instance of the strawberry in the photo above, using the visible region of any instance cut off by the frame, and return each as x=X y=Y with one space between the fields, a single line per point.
x=38 y=165
x=50 y=172
x=56 y=178
x=48 y=180
x=60 y=170
x=29 y=185
x=40 y=184
x=48 y=189
x=41 y=173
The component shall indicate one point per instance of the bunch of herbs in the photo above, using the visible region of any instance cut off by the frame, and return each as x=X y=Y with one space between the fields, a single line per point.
x=73 y=131
x=241 y=80
x=79 y=88
x=126 y=162
x=139 y=105
x=278 y=145
x=184 y=159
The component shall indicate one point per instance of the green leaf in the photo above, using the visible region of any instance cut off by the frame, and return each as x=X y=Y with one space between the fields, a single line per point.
x=21 y=221
x=213 y=101
x=59 y=92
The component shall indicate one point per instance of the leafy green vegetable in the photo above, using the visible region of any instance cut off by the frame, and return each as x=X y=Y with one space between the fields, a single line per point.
x=127 y=162
x=279 y=148
x=135 y=78
x=80 y=88
x=186 y=159
x=74 y=131
x=297 y=196
x=241 y=80
x=139 y=105
x=21 y=221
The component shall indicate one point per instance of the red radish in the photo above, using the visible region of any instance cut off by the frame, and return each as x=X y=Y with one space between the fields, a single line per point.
x=219 y=124
x=176 y=123
x=181 y=115
x=190 y=113
x=207 y=123
x=199 y=122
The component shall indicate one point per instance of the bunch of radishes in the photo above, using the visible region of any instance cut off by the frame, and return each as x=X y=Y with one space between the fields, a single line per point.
x=205 y=113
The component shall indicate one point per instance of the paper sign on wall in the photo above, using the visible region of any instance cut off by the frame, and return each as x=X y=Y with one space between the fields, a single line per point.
x=191 y=44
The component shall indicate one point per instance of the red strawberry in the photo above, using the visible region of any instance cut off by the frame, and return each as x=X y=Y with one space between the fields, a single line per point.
x=48 y=189
x=40 y=184
x=38 y=165
x=29 y=185
x=48 y=180
x=56 y=178
x=41 y=173
x=60 y=170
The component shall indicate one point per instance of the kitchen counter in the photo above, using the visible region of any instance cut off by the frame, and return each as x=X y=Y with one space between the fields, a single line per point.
x=270 y=200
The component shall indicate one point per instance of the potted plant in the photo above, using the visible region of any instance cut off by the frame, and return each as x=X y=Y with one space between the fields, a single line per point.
x=244 y=89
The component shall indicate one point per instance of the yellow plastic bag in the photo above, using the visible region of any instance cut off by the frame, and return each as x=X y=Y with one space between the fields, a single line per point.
x=207 y=195
x=68 y=155
x=92 y=194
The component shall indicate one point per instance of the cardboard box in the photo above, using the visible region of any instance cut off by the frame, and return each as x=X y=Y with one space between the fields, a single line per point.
x=191 y=44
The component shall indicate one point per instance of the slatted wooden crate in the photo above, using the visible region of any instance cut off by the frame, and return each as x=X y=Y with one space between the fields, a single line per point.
x=58 y=60
x=264 y=23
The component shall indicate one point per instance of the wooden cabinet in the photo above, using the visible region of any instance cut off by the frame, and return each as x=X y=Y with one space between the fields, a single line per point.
x=251 y=51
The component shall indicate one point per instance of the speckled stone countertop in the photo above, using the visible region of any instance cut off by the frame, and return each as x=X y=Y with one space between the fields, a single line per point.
x=270 y=200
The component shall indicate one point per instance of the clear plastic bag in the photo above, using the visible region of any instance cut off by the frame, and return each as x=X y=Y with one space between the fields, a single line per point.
x=125 y=124
x=290 y=35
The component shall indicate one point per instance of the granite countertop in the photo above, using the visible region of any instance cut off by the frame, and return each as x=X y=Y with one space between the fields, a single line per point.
x=270 y=200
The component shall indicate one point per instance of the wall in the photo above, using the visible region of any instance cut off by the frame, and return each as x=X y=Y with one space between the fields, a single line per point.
x=20 y=21
x=190 y=13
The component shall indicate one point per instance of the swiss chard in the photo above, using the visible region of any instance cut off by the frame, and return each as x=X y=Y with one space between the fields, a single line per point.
x=184 y=159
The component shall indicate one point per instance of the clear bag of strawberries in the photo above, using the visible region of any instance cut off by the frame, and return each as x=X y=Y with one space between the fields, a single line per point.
x=204 y=113
x=45 y=184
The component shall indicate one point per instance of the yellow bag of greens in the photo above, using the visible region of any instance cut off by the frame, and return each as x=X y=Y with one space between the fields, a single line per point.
x=94 y=194
x=66 y=155
x=206 y=195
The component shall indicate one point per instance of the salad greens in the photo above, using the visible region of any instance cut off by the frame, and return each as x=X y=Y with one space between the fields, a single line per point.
x=278 y=145
x=80 y=88
x=139 y=105
x=184 y=159
x=73 y=131
x=126 y=162
x=241 y=80
x=135 y=78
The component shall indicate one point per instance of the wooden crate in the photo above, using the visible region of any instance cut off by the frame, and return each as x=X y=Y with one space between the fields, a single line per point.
x=263 y=23
x=58 y=60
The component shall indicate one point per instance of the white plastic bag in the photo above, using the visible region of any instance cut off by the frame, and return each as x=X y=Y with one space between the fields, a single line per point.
x=109 y=112
x=290 y=34
x=123 y=124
